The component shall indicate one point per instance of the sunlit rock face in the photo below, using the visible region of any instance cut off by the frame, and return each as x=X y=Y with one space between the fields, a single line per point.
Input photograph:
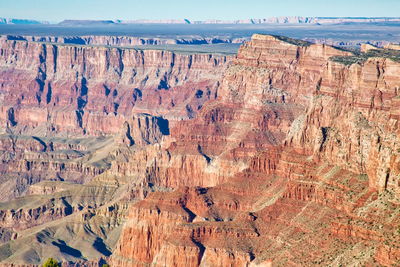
x=296 y=149
x=67 y=101
x=282 y=156
x=92 y=90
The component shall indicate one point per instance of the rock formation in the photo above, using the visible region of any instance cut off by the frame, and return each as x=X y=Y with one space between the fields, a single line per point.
x=181 y=42
x=61 y=103
x=126 y=41
x=277 y=131
x=285 y=155
x=71 y=117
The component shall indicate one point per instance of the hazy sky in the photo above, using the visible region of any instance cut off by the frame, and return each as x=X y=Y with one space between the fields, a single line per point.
x=57 y=10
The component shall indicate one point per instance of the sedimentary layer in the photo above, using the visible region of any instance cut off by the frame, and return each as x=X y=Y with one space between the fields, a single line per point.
x=280 y=168
x=286 y=156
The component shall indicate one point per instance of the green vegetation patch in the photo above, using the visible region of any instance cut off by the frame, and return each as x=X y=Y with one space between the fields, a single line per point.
x=50 y=262
x=292 y=41
x=359 y=58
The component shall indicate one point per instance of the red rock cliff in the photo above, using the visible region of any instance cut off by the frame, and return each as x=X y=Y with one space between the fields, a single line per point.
x=284 y=167
x=93 y=90
x=290 y=159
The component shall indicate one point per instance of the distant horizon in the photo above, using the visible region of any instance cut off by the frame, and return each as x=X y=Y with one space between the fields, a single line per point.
x=56 y=11
x=194 y=20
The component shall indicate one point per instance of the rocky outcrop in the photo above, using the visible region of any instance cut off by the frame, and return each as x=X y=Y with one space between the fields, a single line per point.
x=26 y=160
x=392 y=46
x=354 y=119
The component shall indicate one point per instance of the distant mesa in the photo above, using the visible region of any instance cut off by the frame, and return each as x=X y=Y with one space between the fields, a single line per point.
x=110 y=22
x=270 y=20
x=86 y=22
x=21 y=21
x=156 y=21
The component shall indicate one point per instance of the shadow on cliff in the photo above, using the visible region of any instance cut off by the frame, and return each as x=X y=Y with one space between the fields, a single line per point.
x=164 y=125
x=99 y=245
x=64 y=248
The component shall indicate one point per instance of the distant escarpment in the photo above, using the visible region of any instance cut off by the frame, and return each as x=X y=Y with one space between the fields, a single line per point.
x=286 y=155
x=126 y=41
x=269 y=20
x=191 y=42
x=87 y=94
x=93 y=90
x=21 y=21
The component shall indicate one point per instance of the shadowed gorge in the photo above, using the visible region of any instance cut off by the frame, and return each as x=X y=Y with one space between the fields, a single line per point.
x=286 y=154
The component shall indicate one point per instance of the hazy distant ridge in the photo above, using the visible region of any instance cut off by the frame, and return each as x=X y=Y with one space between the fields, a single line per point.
x=21 y=21
x=271 y=20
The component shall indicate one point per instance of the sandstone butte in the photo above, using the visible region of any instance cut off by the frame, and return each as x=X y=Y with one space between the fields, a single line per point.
x=286 y=155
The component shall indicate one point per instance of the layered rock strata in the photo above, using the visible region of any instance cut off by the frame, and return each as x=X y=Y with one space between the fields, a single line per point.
x=125 y=41
x=289 y=159
x=72 y=117
x=298 y=168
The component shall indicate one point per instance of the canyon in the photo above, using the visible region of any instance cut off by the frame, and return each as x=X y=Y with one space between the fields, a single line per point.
x=284 y=155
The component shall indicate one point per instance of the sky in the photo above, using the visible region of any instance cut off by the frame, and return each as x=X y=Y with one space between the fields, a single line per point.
x=58 y=10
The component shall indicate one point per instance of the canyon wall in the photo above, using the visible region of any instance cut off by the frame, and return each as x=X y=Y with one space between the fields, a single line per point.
x=308 y=150
x=354 y=113
x=71 y=118
x=282 y=156
x=124 y=40
x=87 y=90
x=169 y=43
x=60 y=102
